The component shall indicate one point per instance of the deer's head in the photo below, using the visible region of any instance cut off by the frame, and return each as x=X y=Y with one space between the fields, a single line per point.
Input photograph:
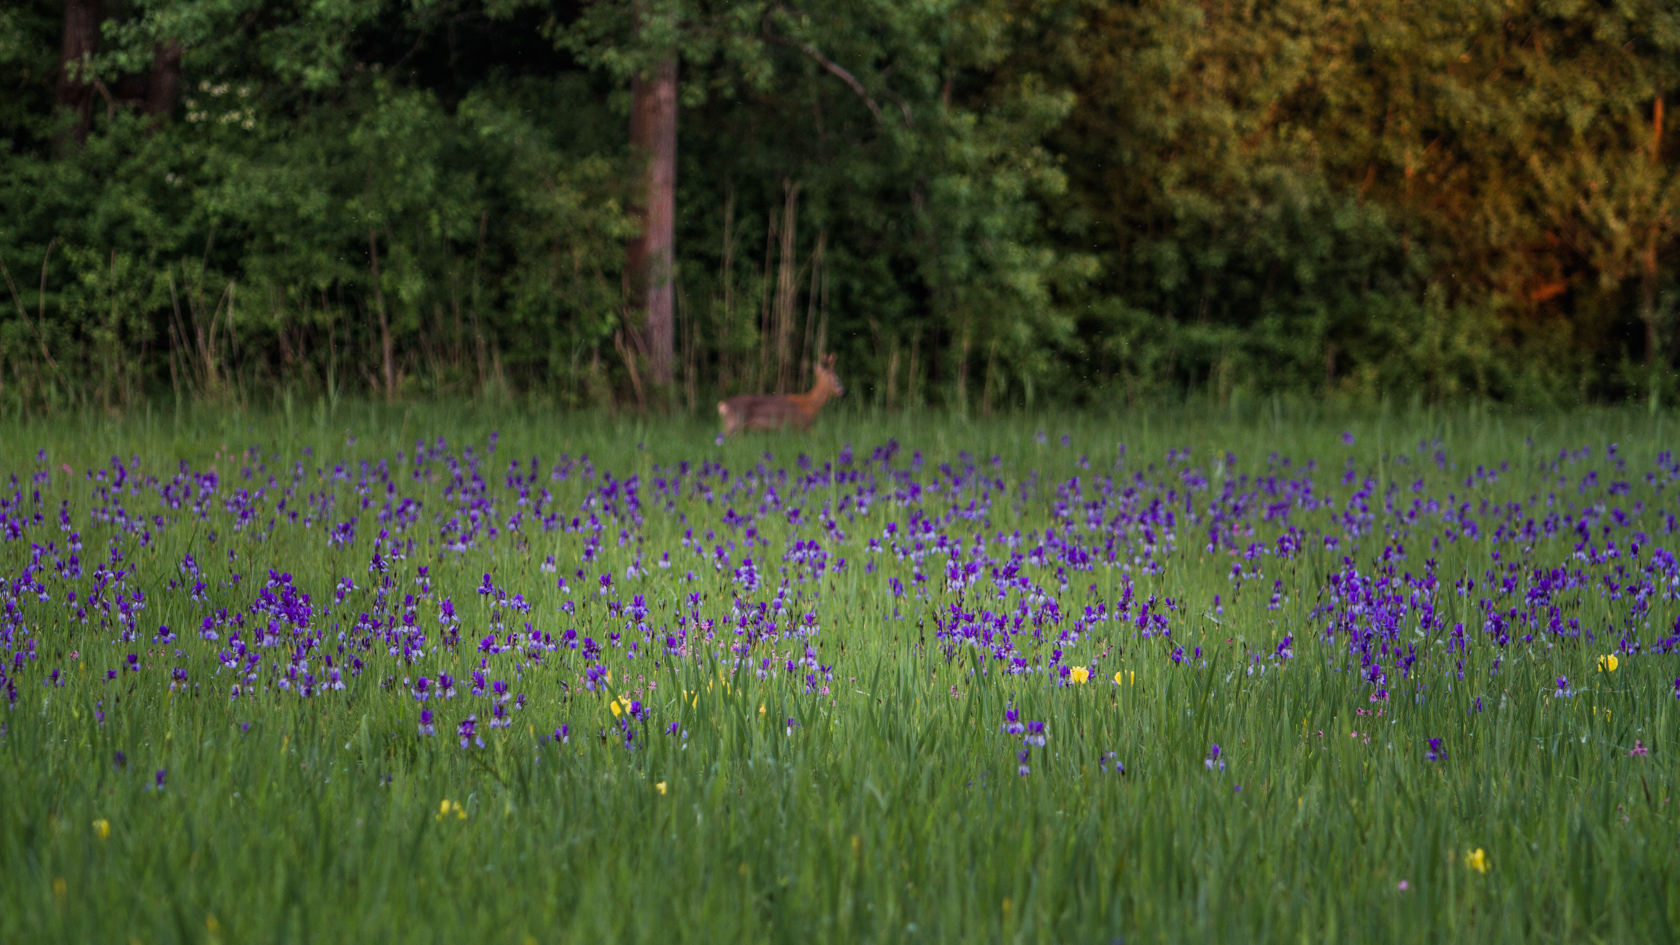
x=828 y=381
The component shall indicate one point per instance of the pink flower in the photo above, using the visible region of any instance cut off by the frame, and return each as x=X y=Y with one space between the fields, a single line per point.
x=1639 y=750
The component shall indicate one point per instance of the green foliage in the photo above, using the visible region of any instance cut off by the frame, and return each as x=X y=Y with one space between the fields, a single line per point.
x=1297 y=171
x=992 y=201
x=251 y=225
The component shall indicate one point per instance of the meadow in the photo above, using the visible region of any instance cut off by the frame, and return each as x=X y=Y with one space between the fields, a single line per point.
x=450 y=674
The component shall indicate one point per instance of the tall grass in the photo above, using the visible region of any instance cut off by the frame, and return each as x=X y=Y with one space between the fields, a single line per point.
x=889 y=808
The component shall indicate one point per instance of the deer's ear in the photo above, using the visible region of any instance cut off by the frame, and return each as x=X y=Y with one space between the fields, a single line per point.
x=828 y=360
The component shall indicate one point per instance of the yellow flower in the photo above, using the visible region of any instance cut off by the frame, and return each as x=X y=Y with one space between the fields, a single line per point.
x=616 y=710
x=1080 y=674
x=1608 y=663
x=1476 y=860
x=448 y=806
x=102 y=828
x=1118 y=681
x=761 y=708
x=661 y=786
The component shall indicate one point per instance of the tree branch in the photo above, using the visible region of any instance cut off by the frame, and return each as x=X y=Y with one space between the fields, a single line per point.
x=833 y=67
x=903 y=106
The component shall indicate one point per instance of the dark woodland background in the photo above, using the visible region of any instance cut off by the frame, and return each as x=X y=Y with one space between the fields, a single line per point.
x=979 y=205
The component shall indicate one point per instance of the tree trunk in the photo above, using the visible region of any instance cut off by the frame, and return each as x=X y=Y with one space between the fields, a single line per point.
x=1648 y=300
x=165 y=83
x=81 y=38
x=648 y=258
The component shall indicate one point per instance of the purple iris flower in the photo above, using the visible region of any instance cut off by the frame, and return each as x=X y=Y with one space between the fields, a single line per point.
x=468 y=731
x=1012 y=721
x=592 y=676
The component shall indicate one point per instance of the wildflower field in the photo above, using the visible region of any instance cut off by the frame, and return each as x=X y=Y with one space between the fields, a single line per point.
x=451 y=675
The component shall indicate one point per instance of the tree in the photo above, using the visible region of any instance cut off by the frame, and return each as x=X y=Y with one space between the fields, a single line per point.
x=81 y=41
x=163 y=86
x=1612 y=202
x=644 y=41
x=650 y=258
x=880 y=128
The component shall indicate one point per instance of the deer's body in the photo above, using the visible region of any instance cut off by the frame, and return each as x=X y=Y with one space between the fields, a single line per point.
x=776 y=411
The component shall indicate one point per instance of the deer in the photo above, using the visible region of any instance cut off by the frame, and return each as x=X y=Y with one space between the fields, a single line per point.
x=775 y=411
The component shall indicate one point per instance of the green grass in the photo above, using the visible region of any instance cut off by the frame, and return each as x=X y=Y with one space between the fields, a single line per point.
x=892 y=811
